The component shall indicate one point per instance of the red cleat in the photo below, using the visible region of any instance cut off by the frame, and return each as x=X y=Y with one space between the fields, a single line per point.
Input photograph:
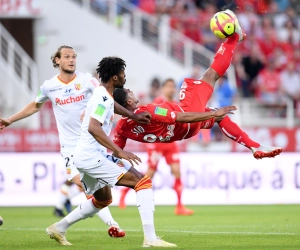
x=265 y=151
x=182 y=210
x=116 y=232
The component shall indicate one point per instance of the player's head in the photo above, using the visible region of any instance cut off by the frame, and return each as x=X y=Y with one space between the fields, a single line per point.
x=65 y=59
x=125 y=98
x=169 y=88
x=112 y=69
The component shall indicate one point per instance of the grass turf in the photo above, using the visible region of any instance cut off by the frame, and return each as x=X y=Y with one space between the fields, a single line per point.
x=212 y=227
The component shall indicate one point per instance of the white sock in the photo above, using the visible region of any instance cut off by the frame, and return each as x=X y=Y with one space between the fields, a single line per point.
x=83 y=211
x=105 y=215
x=145 y=204
x=63 y=196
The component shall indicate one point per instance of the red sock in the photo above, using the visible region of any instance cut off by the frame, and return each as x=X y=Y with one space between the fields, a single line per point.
x=224 y=55
x=234 y=132
x=178 y=189
x=124 y=191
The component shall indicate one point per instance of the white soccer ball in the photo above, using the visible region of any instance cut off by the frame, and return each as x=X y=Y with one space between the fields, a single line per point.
x=1 y=221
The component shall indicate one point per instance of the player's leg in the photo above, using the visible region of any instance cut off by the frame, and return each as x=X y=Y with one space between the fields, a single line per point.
x=235 y=133
x=195 y=94
x=62 y=199
x=73 y=175
x=96 y=180
x=86 y=209
x=154 y=154
x=171 y=154
x=142 y=184
x=153 y=158
x=105 y=215
x=224 y=54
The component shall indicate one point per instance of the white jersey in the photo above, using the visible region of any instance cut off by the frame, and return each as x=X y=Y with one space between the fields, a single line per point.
x=100 y=107
x=69 y=100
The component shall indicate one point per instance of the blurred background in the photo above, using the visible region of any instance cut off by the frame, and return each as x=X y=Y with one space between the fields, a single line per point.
x=158 y=39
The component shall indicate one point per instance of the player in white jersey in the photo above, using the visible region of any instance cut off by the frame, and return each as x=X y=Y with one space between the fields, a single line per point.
x=100 y=171
x=69 y=92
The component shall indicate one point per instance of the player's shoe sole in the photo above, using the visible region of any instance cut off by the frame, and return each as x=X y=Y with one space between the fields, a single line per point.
x=183 y=211
x=238 y=28
x=54 y=234
x=266 y=152
x=158 y=243
x=116 y=232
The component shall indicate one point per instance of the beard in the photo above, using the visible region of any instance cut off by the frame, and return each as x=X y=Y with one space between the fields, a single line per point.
x=68 y=71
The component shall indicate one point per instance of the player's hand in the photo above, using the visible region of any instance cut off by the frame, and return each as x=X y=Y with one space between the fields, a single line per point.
x=4 y=123
x=82 y=116
x=143 y=117
x=225 y=111
x=132 y=158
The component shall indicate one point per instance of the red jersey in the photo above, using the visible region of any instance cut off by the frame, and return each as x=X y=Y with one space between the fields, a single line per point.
x=162 y=128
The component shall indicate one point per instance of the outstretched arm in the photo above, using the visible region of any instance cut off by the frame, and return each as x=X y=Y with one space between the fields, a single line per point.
x=143 y=117
x=190 y=117
x=28 y=110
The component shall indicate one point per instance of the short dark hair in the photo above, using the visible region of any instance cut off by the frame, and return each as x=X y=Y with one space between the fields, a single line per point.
x=110 y=66
x=167 y=80
x=120 y=96
x=58 y=54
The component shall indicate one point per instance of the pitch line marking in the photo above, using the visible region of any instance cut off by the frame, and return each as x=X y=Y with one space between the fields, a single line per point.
x=167 y=231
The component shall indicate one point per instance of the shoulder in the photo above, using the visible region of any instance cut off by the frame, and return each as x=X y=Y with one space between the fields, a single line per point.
x=49 y=83
x=91 y=79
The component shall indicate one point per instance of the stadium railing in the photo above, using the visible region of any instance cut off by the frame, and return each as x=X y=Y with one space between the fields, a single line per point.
x=18 y=75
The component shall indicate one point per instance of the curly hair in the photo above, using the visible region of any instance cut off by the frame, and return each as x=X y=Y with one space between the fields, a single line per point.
x=58 y=54
x=120 y=96
x=110 y=66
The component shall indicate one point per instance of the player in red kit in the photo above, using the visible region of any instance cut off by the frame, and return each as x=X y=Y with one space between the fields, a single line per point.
x=171 y=122
x=169 y=151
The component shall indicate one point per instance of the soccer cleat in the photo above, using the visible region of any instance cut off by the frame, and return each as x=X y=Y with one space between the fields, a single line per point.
x=238 y=28
x=265 y=151
x=157 y=243
x=182 y=210
x=58 y=212
x=60 y=237
x=116 y=232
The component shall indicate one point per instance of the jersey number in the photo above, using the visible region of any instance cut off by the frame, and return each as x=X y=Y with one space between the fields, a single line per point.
x=67 y=161
x=182 y=94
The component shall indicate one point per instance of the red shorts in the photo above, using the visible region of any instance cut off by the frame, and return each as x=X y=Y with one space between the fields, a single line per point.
x=194 y=95
x=157 y=150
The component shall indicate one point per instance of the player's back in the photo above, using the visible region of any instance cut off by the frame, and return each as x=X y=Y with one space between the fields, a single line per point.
x=162 y=127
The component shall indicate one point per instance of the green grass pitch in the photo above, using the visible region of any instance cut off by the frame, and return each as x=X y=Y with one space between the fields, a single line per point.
x=212 y=227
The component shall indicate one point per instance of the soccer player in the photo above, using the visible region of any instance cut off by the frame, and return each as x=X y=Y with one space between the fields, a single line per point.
x=169 y=151
x=100 y=171
x=170 y=122
x=69 y=92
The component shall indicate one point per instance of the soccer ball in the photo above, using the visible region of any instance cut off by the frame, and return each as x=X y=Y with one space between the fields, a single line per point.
x=1 y=221
x=222 y=25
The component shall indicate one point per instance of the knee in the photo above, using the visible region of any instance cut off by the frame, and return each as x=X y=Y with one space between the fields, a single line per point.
x=98 y=203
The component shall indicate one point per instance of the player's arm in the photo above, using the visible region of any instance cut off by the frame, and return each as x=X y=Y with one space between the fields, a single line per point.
x=95 y=129
x=190 y=117
x=143 y=117
x=28 y=110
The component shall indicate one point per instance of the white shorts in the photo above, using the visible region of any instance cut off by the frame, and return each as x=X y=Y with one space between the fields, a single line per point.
x=71 y=170
x=107 y=172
